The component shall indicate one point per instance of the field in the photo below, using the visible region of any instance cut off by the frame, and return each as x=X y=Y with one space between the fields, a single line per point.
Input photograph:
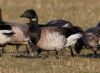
x=84 y=13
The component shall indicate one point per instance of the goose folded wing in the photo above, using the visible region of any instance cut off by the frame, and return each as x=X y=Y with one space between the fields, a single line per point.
x=65 y=31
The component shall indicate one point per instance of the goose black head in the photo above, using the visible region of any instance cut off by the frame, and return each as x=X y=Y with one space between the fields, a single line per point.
x=31 y=15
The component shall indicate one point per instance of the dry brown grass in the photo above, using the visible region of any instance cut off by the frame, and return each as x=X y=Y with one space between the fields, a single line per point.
x=10 y=64
x=85 y=13
x=79 y=12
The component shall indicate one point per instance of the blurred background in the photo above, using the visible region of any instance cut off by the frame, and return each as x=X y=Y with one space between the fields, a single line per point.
x=84 y=13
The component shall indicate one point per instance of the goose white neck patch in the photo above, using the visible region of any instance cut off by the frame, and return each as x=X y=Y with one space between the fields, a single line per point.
x=34 y=19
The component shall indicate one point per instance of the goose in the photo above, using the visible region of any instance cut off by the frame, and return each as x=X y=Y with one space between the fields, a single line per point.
x=20 y=37
x=47 y=37
x=5 y=36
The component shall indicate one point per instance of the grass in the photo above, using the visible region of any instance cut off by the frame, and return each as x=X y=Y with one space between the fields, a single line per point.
x=84 y=13
x=9 y=64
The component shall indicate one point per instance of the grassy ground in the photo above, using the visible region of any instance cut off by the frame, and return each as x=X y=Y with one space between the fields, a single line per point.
x=82 y=64
x=85 y=13
x=23 y=64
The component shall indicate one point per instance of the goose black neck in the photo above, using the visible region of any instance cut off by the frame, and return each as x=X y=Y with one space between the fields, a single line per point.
x=34 y=32
x=33 y=26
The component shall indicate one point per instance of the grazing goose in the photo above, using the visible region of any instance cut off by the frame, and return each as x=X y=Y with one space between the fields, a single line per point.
x=20 y=37
x=5 y=35
x=93 y=38
x=95 y=32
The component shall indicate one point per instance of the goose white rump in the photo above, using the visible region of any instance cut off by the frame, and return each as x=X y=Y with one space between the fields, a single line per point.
x=71 y=40
x=4 y=36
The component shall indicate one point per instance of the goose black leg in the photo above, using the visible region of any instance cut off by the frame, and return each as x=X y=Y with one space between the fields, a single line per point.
x=1 y=52
x=57 y=54
x=27 y=49
x=17 y=49
x=95 y=52
x=72 y=54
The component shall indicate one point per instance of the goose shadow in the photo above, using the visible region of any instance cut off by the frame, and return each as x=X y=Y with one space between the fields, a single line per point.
x=90 y=55
x=23 y=56
x=29 y=56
